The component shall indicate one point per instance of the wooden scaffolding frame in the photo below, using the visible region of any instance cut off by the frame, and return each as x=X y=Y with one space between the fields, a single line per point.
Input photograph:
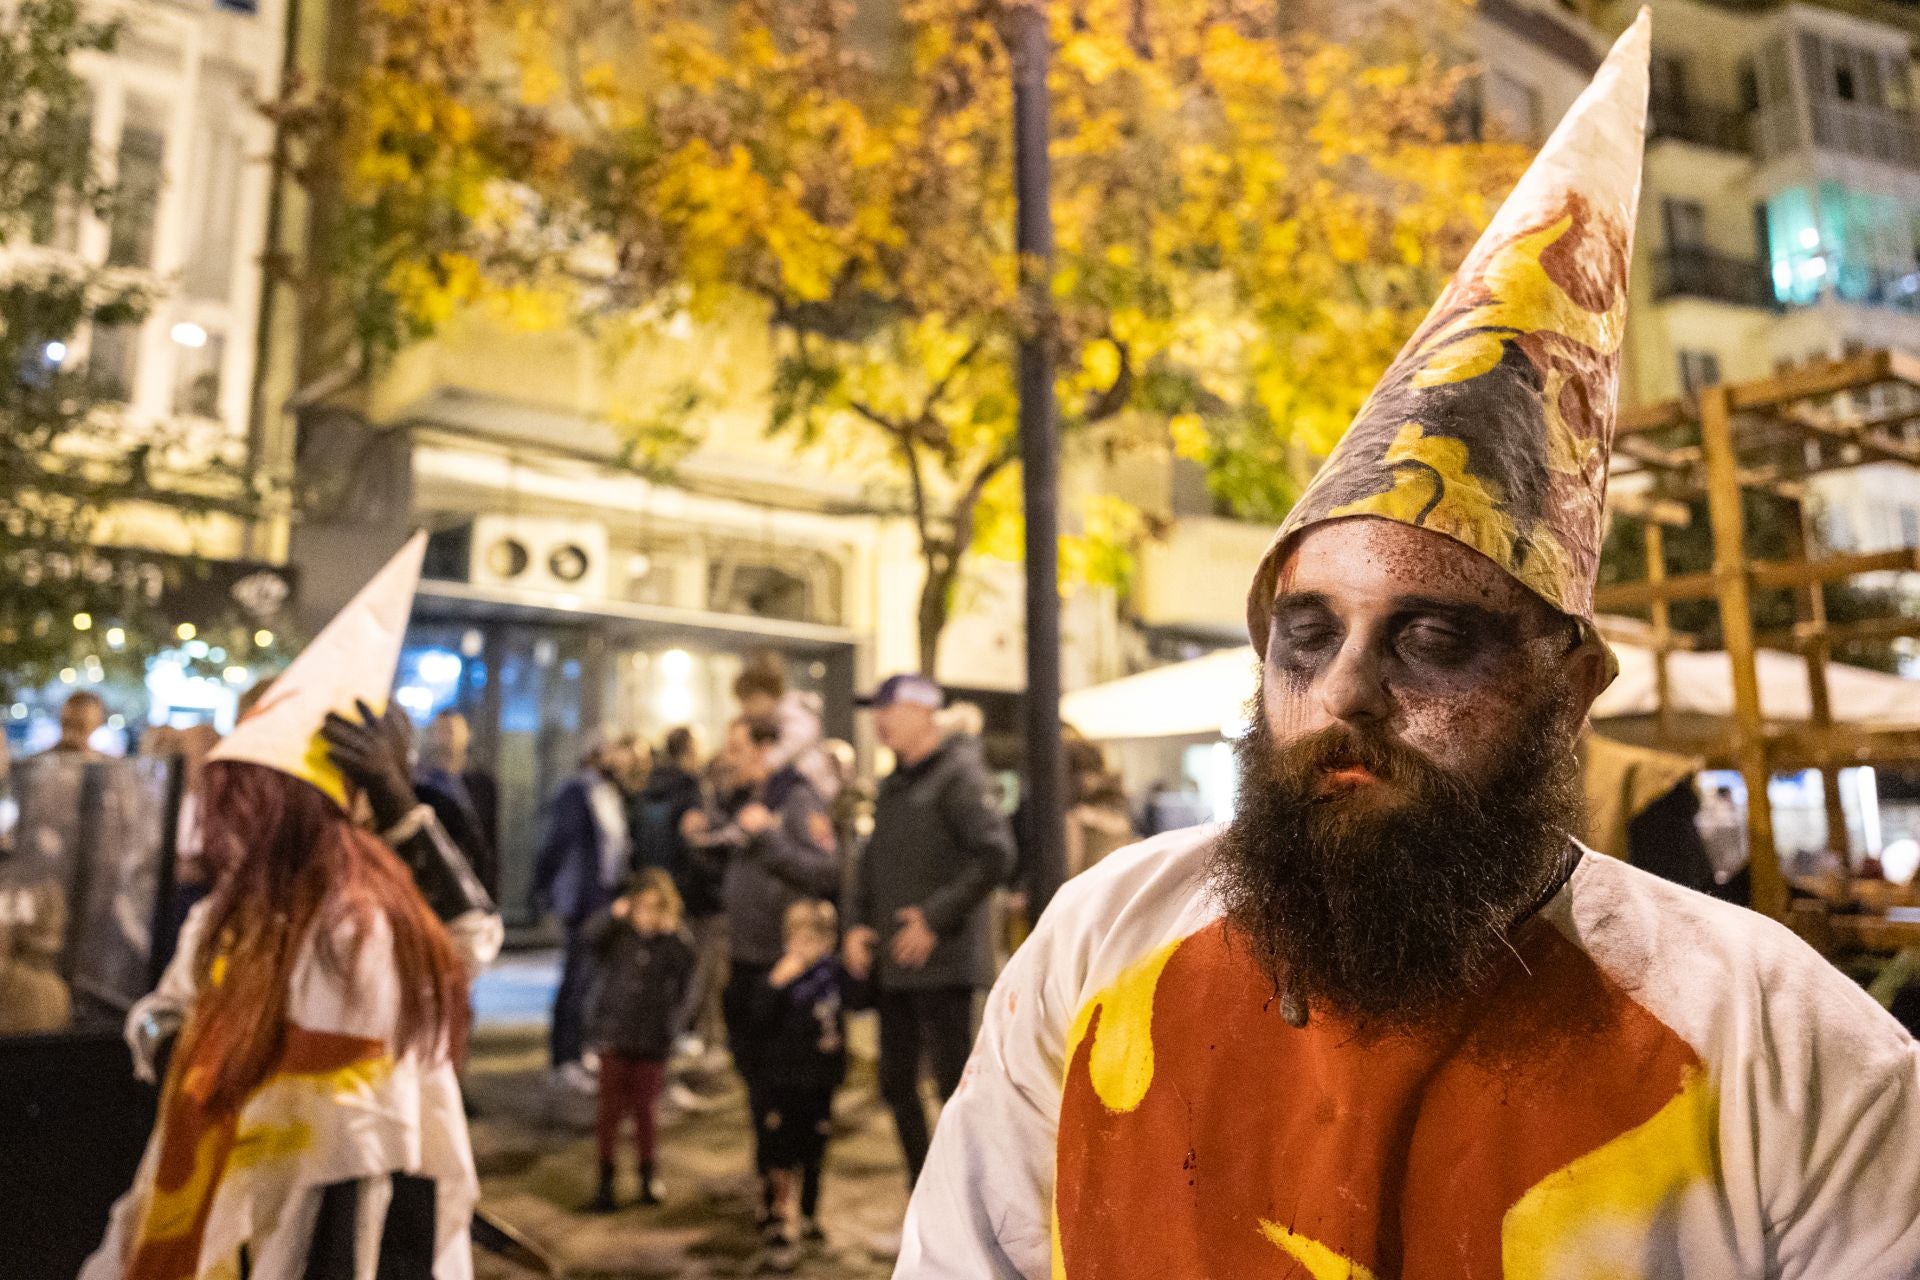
x=1772 y=434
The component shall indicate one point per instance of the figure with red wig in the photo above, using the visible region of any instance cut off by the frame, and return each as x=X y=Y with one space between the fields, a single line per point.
x=310 y=1122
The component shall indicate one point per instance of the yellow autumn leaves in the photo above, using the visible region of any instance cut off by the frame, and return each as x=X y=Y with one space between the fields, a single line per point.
x=1250 y=217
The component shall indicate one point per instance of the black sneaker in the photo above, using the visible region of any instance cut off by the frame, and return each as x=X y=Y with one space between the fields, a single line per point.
x=602 y=1202
x=811 y=1232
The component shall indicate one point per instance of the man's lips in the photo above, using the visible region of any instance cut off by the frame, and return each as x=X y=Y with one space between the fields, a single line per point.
x=1348 y=775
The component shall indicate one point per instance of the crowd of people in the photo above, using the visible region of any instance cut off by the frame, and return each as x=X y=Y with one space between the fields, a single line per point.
x=754 y=897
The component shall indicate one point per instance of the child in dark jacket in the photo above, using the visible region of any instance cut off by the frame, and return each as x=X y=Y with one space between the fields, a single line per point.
x=799 y=1009
x=643 y=976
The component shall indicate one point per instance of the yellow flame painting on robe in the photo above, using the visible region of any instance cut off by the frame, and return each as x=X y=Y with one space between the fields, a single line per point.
x=222 y=1189
x=1494 y=424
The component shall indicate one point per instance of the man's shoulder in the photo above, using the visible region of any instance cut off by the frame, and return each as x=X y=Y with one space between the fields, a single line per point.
x=1719 y=974
x=1132 y=901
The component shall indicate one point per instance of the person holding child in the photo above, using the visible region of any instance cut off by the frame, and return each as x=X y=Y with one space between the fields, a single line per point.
x=643 y=978
x=799 y=1017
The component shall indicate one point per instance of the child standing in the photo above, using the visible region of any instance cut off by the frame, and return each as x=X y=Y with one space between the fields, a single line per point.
x=800 y=1012
x=643 y=977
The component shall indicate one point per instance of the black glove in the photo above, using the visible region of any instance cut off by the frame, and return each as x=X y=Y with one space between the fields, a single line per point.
x=373 y=754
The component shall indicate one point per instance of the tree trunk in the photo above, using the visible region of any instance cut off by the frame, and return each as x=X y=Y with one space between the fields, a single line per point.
x=936 y=610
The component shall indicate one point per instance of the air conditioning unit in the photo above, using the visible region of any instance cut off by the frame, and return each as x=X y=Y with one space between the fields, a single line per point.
x=531 y=553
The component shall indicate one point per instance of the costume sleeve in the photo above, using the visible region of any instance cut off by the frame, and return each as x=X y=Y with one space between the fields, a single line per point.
x=478 y=937
x=985 y=841
x=156 y=1016
x=1856 y=1209
x=983 y=1207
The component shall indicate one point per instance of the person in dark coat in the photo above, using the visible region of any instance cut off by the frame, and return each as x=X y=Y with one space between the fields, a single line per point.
x=799 y=1013
x=663 y=838
x=783 y=851
x=939 y=846
x=643 y=974
x=585 y=856
x=465 y=799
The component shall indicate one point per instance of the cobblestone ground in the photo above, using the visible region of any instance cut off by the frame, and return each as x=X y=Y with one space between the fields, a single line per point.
x=534 y=1144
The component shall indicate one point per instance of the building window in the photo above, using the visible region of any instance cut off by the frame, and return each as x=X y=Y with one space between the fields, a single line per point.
x=143 y=150
x=196 y=378
x=54 y=220
x=113 y=361
x=1686 y=225
x=1698 y=371
x=215 y=165
x=1667 y=77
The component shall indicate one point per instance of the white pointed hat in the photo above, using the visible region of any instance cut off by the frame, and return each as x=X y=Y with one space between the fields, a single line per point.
x=353 y=658
x=1495 y=423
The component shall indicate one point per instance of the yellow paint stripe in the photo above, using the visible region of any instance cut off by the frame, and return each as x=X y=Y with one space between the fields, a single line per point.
x=1321 y=1262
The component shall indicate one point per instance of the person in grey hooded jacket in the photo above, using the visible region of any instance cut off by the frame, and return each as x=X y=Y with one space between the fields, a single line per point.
x=920 y=916
x=782 y=849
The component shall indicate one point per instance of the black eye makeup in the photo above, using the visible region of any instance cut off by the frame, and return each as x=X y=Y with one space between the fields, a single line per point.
x=1304 y=634
x=1422 y=639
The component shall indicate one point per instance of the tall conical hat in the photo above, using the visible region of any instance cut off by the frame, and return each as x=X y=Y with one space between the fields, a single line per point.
x=353 y=657
x=1494 y=424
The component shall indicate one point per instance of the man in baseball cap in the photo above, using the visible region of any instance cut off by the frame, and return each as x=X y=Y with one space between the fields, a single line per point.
x=909 y=688
x=919 y=923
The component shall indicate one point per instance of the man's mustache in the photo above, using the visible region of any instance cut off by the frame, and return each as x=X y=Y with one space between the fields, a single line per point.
x=1297 y=764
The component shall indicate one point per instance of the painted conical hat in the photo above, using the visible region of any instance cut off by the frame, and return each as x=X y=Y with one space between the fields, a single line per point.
x=353 y=658
x=1494 y=424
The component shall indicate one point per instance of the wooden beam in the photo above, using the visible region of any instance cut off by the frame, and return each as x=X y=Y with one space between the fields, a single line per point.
x=1810 y=381
x=1874 y=443
x=1800 y=573
x=1736 y=628
x=1656 y=545
x=1658 y=416
x=1844 y=745
x=1651 y=510
x=1638 y=595
x=1773 y=574
x=1810 y=604
x=1805 y=633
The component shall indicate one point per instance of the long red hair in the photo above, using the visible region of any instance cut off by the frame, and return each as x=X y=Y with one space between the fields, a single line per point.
x=292 y=866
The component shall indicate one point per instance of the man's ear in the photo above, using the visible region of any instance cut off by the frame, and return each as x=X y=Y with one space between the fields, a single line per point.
x=1586 y=669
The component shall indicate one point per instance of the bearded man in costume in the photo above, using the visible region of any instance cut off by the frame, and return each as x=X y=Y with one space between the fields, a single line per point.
x=1393 y=1021
x=310 y=1124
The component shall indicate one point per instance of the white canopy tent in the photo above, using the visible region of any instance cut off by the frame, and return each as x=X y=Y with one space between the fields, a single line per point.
x=1207 y=697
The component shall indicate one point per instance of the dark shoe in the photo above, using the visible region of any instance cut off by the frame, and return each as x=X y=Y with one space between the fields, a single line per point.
x=652 y=1190
x=811 y=1234
x=603 y=1201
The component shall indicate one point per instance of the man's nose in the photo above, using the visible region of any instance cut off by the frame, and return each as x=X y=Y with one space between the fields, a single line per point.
x=1353 y=688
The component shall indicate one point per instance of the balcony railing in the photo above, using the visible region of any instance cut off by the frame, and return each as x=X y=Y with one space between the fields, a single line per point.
x=1719 y=127
x=1873 y=132
x=1700 y=273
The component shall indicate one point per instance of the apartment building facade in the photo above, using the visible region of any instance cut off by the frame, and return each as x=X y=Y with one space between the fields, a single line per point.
x=174 y=121
x=1780 y=218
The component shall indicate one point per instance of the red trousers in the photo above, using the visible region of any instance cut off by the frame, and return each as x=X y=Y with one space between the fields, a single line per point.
x=628 y=1086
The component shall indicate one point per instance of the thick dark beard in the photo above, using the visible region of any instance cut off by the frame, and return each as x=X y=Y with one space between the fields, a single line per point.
x=1390 y=916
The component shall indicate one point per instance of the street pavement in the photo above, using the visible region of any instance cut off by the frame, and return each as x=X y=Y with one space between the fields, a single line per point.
x=533 y=1141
